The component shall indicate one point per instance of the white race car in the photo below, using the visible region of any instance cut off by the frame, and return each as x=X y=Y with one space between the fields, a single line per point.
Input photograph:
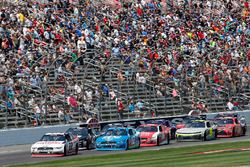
x=55 y=144
x=197 y=130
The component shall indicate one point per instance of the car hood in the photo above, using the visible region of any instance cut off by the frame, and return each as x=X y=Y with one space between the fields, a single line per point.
x=48 y=144
x=191 y=130
x=111 y=138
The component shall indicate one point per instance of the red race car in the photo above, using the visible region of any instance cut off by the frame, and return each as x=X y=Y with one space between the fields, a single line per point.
x=229 y=127
x=153 y=134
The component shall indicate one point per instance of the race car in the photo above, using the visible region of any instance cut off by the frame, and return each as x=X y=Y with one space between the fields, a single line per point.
x=118 y=138
x=55 y=144
x=230 y=127
x=167 y=123
x=197 y=130
x=153 y=134
x=86 y=136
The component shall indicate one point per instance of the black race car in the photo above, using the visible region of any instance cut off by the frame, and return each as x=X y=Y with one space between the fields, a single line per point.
x=86 y=136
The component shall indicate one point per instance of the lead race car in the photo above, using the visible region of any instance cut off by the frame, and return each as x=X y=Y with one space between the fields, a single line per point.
x=118 y=138
x=55 y=144
x=197 y=130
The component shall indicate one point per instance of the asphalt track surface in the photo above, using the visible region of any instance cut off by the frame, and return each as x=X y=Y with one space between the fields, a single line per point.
x=21 y=153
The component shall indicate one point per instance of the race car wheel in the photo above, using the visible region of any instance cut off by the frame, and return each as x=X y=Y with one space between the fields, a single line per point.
x=65 y=151
x=76 y=151
x=88 y=145
x=158 y=141
x=172 y=135
x=233 y=135
x=204 y=138
x=168 y=139
x=127 y=145
x=215 y=134
x=244 y=131
x=139 y=145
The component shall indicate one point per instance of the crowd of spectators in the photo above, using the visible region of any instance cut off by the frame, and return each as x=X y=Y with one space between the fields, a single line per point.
x=189 y=46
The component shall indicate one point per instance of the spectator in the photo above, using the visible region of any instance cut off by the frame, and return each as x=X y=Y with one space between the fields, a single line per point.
x=230 y=105
x=37 y=114
x=131 y=106
x=120 y=108
x=140 y=105
x=206 y=47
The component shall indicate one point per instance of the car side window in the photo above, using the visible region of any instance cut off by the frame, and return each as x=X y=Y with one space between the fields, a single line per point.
x=68 y=138
x=236 y=121
x=130 y=131
x=208 y=124
x=160 y=128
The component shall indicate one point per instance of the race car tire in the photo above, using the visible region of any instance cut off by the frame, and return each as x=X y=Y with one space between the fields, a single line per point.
x=168 y=139
x=76 y=150
x=244 y=131
x=215 y=134
x=172 y=135
x=204 y=138
x=65 y=151
x=158 y=141
x=88 y=145
x=233 y=135
x=139 y=145
x=127 y=145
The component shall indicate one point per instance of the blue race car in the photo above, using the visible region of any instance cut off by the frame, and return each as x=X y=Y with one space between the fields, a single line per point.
x=118 y=138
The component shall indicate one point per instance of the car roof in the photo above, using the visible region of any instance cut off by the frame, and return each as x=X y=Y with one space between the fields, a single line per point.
x=150 y=125
x=118 y=128
x=55 y=134
x=79 y=128
x=200 y=121
x=226 y=117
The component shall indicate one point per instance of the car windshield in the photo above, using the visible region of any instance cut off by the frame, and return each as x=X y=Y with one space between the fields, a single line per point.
x=116 y=132
x=147 y=129
x=196 y=125
x=225 y=121
x=53 y=138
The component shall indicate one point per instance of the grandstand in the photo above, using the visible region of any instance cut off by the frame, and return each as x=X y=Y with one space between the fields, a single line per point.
x=167 y=74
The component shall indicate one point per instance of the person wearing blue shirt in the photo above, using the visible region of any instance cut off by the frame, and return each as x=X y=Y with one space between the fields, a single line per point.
x=78 y=32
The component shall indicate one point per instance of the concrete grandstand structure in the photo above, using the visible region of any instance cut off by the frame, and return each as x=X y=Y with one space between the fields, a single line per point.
x=90 y=76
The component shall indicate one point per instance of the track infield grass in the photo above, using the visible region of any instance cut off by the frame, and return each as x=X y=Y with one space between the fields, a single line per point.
x=183 y=157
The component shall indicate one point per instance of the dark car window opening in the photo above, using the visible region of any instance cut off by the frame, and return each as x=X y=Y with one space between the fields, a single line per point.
x=114 y=132
x=160 y=128
x=78 y=132
x=53 y=138
x=147 y=129
x=225 y=121
x=196 y=125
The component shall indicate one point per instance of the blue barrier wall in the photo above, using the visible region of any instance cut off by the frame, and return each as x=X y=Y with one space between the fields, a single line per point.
x=30 y=135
